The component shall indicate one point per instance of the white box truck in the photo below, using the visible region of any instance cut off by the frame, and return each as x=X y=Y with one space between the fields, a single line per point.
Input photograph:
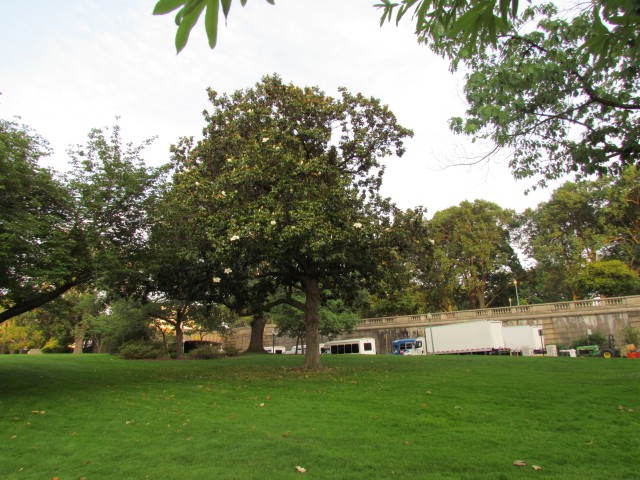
x=526 y=339
x=481 y=336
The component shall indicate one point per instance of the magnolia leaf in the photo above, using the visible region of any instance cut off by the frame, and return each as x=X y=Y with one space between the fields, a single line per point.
x=166 y=6
x=226 y=6
x=186 y=24
x=211 y=21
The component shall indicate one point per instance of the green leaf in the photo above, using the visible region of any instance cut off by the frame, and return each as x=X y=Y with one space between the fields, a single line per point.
x=504 y=9
x=166 y=6
x=187 y=23
x=211 y=21
x=226 y=6
x=468 y=21
x=598 y=27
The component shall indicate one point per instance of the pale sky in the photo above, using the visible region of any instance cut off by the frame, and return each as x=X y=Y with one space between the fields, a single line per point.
x=72 y=65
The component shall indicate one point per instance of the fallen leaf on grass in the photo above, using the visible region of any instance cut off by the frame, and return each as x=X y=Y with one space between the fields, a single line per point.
x=520 y=463
x=38 y=412
x=262 y=404
x=300 y=469
x=536 y=468
x=630 y=410
x=15 y=436
x=285 y=434
x=621 y=407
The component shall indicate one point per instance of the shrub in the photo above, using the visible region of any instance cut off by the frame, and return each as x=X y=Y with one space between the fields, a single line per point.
x=596 y=338
x=139 y=351
x=231 y=351
x=54 y=346
x=206 y=352
x=631 y=335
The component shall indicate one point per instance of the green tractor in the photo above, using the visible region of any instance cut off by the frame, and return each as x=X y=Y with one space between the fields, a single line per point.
x=605 y=351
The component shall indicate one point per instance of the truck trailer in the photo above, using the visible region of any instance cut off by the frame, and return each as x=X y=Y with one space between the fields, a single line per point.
x=477 y=337
x=524 y=339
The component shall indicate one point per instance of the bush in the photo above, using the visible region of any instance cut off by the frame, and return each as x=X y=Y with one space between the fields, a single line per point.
x=54 y=346
x=140 y=351
x=631 y=336
x=596 y=338
x=206 y=352
x=231 y=351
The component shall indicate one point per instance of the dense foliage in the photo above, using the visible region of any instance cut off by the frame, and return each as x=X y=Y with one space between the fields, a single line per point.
x=285 y=199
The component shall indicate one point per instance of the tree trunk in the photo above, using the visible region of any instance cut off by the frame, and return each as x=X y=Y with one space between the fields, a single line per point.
x=78 y=335
x=179 y=333
x=257 y=332
x=312 y=322
x=179 y=339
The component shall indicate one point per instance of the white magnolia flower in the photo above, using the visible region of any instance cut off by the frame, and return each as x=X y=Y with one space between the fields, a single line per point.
x=357 y=225
x=223 y=193
x=227 y=270
x=197 y=184
x=273 y=222
x=265 y=139
x=216 y=279
x=234 y=238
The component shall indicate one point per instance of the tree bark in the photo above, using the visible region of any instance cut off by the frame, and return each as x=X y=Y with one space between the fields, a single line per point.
x=257 y=332
x=78 y=336
x=312 y=322
x=180 y=311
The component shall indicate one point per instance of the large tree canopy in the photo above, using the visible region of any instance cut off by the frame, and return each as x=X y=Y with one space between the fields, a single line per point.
x=41 y=248
x=474 y=262
x=557 y=110
x=59 y=233
x=286 y=184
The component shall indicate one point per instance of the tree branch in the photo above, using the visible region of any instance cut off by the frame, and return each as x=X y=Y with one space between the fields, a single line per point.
x=41 y=299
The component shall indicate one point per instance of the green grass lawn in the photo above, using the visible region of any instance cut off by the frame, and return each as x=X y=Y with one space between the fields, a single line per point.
x=362 y=417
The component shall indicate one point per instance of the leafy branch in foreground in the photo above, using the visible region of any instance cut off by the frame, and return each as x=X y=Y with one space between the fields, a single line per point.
x=189 y=12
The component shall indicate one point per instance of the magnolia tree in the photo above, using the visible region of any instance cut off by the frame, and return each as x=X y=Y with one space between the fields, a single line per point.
x=285 y=186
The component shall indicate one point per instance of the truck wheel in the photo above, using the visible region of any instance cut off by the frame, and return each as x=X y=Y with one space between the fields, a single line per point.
x=607 y=353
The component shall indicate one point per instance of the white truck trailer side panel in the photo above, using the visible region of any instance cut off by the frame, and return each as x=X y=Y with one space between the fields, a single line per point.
x=518 y=337
x=465 y=337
